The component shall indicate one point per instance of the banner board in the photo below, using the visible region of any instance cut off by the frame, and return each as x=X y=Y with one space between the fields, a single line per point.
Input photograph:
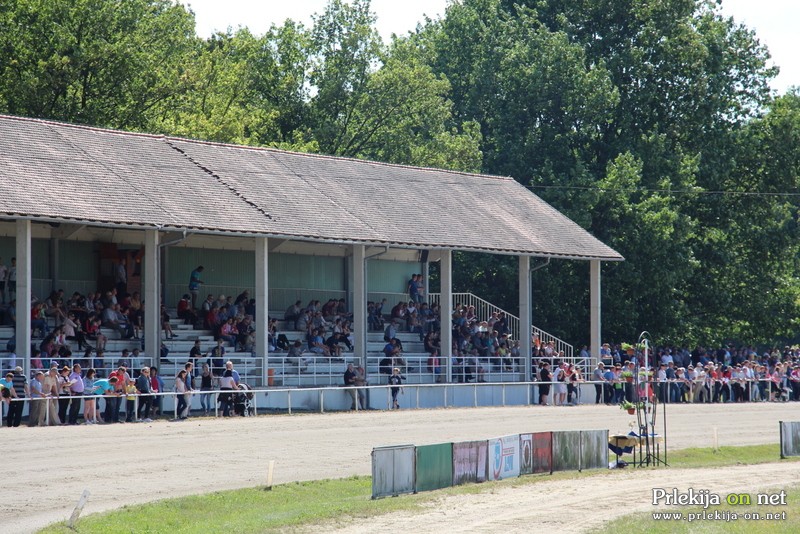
x=393 y=470
x=434 y=466
x=594 y=449
x=469 y=462
x=542 y=452
x=504 y=457
x=567 y=450
x=790 y=438
x=525 y=454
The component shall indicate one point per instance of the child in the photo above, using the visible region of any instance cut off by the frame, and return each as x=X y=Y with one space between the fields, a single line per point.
x=130 y=401
x=396 y=379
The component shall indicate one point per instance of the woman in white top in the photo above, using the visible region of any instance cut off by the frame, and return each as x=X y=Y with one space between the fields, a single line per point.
x=226 y=383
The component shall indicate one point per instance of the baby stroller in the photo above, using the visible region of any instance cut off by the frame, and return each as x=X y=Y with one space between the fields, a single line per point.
x=242 y=401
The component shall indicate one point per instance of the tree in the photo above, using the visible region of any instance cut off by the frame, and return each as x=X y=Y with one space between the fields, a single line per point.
x=98 y=62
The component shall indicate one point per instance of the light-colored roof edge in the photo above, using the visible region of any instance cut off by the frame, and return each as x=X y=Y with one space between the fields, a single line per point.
x=301 y=237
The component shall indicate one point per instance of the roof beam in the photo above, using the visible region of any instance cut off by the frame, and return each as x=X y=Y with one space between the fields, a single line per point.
x=67 y=230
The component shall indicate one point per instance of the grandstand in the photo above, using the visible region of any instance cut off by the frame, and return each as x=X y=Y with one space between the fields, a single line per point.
x=75 y=200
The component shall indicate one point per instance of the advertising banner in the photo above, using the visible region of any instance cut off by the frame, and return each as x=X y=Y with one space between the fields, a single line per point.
x=542 y=452
x=434 y=466
x=790 y=438
x=594 y=449
x=567 y=450
x=392 y=470
x=504 y=457
x=469 y=462
x=525 y=454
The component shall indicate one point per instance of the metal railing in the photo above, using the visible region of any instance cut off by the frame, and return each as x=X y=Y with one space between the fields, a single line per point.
x=279 y=399
x=484 y=310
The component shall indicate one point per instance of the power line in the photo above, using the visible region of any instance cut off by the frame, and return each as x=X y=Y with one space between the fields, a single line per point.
x=669 y=191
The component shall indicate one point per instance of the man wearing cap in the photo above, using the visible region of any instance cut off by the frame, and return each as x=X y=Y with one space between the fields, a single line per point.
x=20 y=385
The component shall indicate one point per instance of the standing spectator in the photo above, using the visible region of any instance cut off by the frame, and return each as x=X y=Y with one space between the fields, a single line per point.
x=206 y=384
x=396 y=379
x=195 y=353
x=90 y=403
x=144 y=388
x=108 y=388
x=51 y=388
x=3 y=275
x=544 y=386
x=39 y=402
x=234 y=373
x=351 y=382
x=226 y=385
x=180 y=389
x=121 y=277
x=189 y=380
x=76 y=389
x=156 y=386
x=11 y=280
x=194 y=284
x=598 y=377
x=21 y=391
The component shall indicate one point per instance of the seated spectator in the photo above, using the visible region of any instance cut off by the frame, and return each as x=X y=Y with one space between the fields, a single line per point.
x=113 y=318
x=165 y=324
x=304 y=322
x=185 y=310
x=228 y=332
x=293 y=312
x=341 y=311
x=295 y=357
x=93 y=333
x=317 y=345
x=434 y=366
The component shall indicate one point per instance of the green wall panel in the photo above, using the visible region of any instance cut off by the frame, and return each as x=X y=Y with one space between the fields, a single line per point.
x=390 y=276
x=77 y=261
x=434 y=466
x=40 y=248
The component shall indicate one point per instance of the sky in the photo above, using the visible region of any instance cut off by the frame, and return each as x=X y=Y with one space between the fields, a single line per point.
x=775 y=21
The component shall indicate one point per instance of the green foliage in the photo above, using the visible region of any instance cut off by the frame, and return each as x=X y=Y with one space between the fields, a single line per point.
x=98 y=62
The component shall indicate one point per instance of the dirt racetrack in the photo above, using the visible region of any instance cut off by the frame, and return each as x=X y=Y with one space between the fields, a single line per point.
x=46 y=469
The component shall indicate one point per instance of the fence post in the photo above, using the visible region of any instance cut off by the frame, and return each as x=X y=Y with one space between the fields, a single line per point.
x=503 y=389
x=321 y=401
x=475 y=395
x=289 y=400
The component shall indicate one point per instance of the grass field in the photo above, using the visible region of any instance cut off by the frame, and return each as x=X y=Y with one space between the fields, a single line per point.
x=312 y=503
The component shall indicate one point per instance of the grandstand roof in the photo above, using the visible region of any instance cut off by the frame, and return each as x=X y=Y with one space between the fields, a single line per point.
x=60 y=172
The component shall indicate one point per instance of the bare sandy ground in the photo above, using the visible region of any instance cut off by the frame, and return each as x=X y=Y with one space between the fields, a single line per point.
x=46 y=469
